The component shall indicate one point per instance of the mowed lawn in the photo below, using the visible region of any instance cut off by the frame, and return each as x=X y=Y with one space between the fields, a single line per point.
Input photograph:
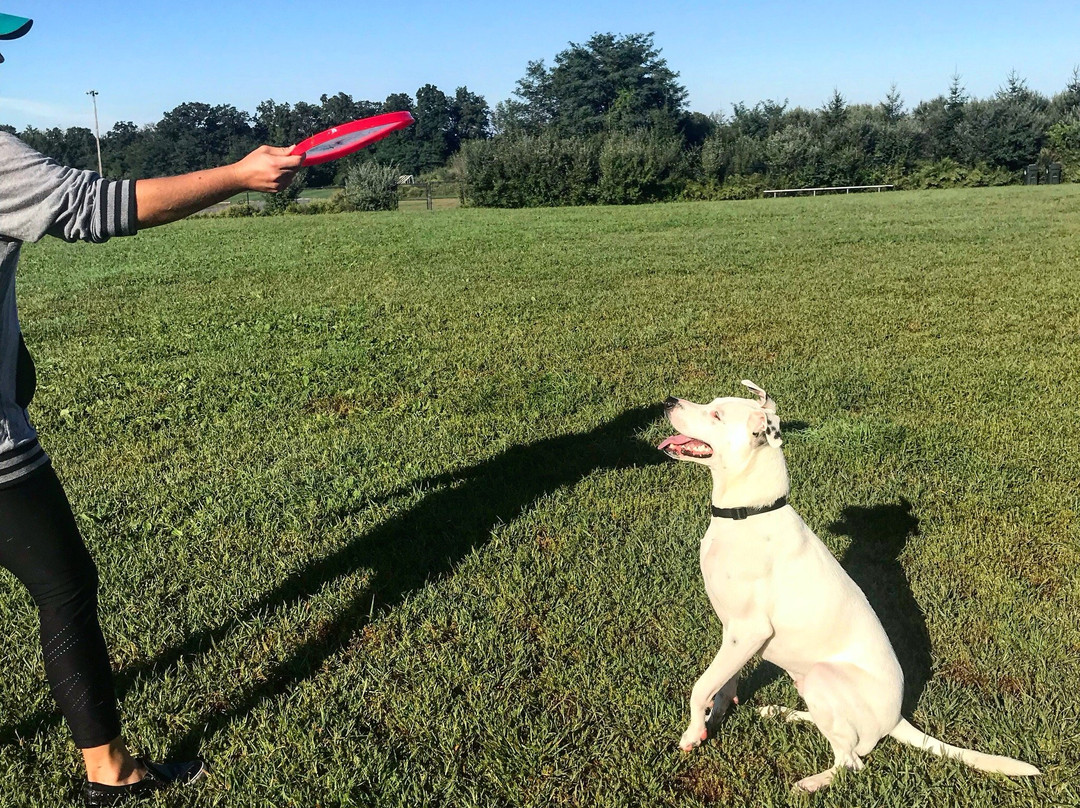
x=379 y=519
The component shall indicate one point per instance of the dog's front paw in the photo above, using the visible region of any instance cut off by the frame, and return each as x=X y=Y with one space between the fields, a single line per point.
x=693 y=737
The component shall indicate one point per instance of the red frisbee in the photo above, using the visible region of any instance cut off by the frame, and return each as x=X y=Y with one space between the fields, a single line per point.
x=338 y=141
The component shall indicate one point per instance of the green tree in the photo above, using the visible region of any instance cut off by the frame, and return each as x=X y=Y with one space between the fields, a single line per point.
x=341 y=108
x=1063 y=145
x=794 y=157
x=275 y=123
x=511 y=118
x=940 y=122
x=120 y=151
x=834 y=113
x=759 y=121
x=1016 y=126
x=432 y=130
x=694 y=128
x=74 y=147
x=528 y=171
x=401 y=148
x=892 y=108
x=1067 y=102
x=539 y=106
x=308 y=120
x=610 y=82
x=195 y=135
x=470 y=117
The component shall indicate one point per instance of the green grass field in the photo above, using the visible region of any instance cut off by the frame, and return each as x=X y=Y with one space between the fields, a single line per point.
x=379 y=520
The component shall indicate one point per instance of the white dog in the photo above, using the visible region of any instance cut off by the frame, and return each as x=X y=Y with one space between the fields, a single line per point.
x=779 y=592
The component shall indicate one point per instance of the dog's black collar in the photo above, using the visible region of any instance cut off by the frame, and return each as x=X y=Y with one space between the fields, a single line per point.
x=742 y=513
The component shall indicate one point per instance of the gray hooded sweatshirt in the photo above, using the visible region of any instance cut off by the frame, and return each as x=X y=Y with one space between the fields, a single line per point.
x=38 y=196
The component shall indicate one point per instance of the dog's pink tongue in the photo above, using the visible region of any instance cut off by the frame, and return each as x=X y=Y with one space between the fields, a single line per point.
x=674 y=440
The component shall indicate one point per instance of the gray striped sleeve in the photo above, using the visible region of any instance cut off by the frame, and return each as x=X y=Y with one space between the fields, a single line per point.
x=19 y=463
x=116 y=209
x=103 y=209
x=39 y=196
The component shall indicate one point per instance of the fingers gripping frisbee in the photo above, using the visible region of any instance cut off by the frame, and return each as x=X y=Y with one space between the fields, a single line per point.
x=339 y=141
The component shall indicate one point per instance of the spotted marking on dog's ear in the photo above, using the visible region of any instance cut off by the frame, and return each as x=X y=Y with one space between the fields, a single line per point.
x=764 y=427
x=772 y=431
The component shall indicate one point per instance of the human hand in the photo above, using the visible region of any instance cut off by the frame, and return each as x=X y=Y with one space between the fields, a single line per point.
x=268 y=168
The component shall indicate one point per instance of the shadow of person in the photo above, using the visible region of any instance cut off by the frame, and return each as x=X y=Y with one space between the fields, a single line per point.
x=878 y=535
x=403 y=554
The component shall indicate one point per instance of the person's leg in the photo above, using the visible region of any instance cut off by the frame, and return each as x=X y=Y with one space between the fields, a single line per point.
x=41 y=545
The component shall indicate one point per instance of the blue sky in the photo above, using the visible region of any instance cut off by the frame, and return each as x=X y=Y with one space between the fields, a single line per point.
x=145 y=58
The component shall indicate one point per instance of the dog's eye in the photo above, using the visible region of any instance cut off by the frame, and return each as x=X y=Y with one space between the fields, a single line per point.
x=716 y=414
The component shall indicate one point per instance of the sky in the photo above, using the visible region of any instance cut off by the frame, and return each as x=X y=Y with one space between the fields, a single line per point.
x=145 y=58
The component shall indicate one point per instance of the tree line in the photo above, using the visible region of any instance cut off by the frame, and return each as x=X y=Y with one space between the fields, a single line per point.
x=607 y=122
x=196 y=135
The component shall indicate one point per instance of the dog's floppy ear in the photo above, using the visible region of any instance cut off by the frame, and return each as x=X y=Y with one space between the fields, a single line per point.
x=766 y=403
x=765 y=426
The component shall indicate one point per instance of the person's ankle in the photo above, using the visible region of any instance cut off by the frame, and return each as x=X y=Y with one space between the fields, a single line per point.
x=130 y=771
x=113 y=765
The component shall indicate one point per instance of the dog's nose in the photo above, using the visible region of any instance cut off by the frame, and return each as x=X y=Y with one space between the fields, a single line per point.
x=671 y=403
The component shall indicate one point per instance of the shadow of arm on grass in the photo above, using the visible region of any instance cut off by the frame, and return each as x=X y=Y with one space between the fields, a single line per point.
x=427 y=541
x=878 y=536
x=404 y=553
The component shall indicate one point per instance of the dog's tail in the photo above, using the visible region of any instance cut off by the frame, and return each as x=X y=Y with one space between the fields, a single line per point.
x=905 y=733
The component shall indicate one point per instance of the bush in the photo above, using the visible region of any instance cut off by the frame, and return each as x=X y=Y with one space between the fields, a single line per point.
x=697 y=191
x=412 y=192
x=316 y=206
x=736 y=186
x=542 y=171
x=742 y=187
x=548 y=171
x=283 y=200
x=238 y=210
x=640 y=167
x=369 y=186
x=1063 y=146
x=947 y=173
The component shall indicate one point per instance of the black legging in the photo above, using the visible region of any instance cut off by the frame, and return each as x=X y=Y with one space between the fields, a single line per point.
x=41 y=545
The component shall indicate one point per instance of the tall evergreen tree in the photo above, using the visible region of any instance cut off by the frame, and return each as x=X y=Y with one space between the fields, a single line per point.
x=610 y=82
x=893 y=105
x=470 y=117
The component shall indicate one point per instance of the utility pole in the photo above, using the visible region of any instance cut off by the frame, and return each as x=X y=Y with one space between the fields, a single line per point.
x=97 y=135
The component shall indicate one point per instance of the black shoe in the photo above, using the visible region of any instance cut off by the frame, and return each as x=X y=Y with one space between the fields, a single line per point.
x=158 y=776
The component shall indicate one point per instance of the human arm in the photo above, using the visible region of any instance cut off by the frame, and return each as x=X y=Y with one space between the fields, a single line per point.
x=166 y=199
x=38 y=196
